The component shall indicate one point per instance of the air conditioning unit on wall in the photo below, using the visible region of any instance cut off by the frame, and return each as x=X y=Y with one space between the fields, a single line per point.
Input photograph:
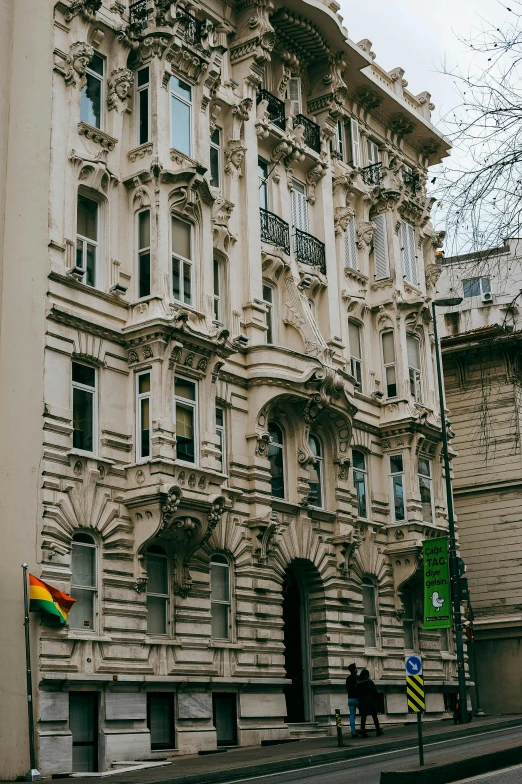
x=487 y=298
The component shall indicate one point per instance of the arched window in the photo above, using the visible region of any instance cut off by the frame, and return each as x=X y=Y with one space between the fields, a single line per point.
x=276 y=458
x=370 y=613
x=315 y=495
x=83 y=582
x=220 y=597
x=157 y=590
x=360 y=481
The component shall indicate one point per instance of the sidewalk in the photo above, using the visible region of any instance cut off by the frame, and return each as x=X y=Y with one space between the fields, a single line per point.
x=256 y=760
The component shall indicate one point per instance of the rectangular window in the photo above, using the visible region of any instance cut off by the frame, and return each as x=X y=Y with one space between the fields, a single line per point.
x=360 y=481
x=181 y=115
x=262 y=173
x=409 y=254
x=390 y=372
x=220 y=432
x=157 y=593
x=92 y=93
x=354 y=338
x=83 y=585
x=381 y=266
x=218 y=291
x=144 y=253
x=268 y=299
x=408 y=619
x=426 y=489
x=185 y=402
x=143 y=416
x=372 y=152
x=87 y=238
x=293 y=94
x=220 y=598
x=181 y=261
x=160 y=720
x=339 y=139
x=142 y=104
x=476 y=287
x=355 y=139
x=299 y=206
x=414 y=367
x=397 y=488
x=370 y=615
x=350 y=245
x=84 y=406
x=215 y=158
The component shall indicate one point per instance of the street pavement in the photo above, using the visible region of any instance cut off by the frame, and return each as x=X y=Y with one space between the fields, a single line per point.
x=508 y=776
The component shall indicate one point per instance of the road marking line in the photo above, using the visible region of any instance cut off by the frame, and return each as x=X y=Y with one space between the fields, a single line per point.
x=373 y=756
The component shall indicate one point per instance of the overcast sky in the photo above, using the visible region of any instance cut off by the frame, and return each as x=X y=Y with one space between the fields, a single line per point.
x=420 y=35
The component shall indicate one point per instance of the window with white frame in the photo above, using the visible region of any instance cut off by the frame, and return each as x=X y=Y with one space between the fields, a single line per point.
x=350 y=245
x=83 y=582
x=398 y=506
x=476 y=287
x=262 y=173
x=426 y=489
x=381 y=264
x=157 y=590
x=181 y=115
x=339 y=139
x=84 y=407
x=408 y=618
x=143 y=105
x=181 y=261
x=409 y=253
x=87 y=238
x=221 y=434
x=372 y=152
x=215 y=158
x=268 y=299
x=390 y=369
x=143 y=253
x=355 y=143
x=220 y=600
x=218 y=304
x=315 y=483
x=293 y=94
x=143 y=415
x=414 y=367
x=91 y=106
x=370 y=613
x=299 y=206
x=186 y=417
x=354 y=339
x=276 y=459
x=360 y=482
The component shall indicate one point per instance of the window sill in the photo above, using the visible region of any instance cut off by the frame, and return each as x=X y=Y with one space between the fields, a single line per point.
x=280 y=505
x=321 y=514
x=180 y=157
x=97 y=135
x=90 y=455
x=78 y=634
x=114 y=299
x=375 y=652
x=225 y=644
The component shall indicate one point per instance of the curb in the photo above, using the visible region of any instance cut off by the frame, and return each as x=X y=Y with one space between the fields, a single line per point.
x=350 y=752
x=455 y=771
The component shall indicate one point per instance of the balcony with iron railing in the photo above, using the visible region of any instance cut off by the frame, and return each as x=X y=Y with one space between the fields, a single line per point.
x=309 y=250
x=312 y=132
x=139 y=14
x=372 y=175
x=191 y=26
x=274 y=230
x=275 y=108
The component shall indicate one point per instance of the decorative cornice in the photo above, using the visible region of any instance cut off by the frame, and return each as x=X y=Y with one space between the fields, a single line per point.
x=97 y=136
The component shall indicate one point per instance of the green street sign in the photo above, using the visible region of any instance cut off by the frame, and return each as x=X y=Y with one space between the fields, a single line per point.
x=437 y=586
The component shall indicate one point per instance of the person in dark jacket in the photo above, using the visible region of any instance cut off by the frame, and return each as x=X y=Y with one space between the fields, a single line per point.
x=366 y=693
x=353 y=702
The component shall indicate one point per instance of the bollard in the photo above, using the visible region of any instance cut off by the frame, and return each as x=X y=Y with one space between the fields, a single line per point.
x=339 y=725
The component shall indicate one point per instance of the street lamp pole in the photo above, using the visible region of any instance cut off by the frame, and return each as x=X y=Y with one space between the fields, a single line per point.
x=454 y=574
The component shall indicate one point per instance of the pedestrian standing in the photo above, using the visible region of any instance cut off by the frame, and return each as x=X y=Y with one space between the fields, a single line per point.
x=366 y=693
x=353 y=702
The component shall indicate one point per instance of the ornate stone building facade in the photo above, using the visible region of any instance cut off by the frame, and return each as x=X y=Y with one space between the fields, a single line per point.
x=241 y=451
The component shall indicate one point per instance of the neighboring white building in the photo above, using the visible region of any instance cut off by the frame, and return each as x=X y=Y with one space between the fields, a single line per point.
x=241 y=452
x=481 y=352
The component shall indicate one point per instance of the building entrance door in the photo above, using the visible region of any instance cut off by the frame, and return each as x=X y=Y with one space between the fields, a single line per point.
x=83 y=723
x=297 y=649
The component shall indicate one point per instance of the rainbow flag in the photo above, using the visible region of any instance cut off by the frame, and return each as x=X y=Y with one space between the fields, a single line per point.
x=50 y=600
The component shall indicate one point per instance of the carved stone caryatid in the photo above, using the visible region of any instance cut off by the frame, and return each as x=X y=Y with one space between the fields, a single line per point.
x=262 y=119
x=79 y=57
x=365 y=231
x=234 y=154
x=120 y=85
x=87 y=8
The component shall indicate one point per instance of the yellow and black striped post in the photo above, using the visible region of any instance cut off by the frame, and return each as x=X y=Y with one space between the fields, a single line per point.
x=417 y=702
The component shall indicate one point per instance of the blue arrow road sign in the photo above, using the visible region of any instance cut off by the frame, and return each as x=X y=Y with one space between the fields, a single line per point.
x=413 y=665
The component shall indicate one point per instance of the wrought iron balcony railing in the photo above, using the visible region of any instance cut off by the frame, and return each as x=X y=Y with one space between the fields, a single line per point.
x=275 y=108
x=274 y=230
x=191 y=25
x=139 y=14
x=372 y=175
x=309 y=250
x=312 y=132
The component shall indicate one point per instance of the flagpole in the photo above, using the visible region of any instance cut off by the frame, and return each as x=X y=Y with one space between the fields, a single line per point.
x=33 y=774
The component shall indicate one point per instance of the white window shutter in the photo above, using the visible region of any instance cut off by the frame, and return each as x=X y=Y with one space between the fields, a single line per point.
x=350 y=245
x=380 y=248
x=373 y=153
x=356 y=143
x=294 y=94
x=408 y=255
x=299 y=206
